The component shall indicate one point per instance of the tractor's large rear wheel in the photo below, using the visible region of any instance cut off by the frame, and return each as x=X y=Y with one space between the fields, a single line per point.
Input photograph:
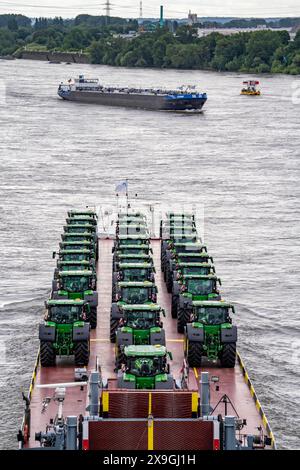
x=82 y=353
x=169 y=282
x=183 y=317
x=194 y=354
x=114 y=323
x=228 y=356
x=174 y=307
x=93 y=318
x=47 y=354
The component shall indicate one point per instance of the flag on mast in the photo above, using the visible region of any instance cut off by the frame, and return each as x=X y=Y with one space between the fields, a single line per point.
x=122 y=187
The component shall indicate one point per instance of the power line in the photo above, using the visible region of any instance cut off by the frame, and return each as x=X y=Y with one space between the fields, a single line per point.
x=286 y=10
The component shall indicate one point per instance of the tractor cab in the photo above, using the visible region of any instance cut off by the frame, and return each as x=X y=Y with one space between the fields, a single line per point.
x=125 y=240
x=73 y=245
x=180 y=231
x=187 y=247
x=85 y=213
x=135 y=272
x=145 y=368
x=132 y=221
x=210 y=333
x=133 y=250
x=78 y=237
x=66 y=311
x=130 y=217
x=184 y=269
x=73 y=266
x=76 y=282
x=134 y=259
x=199 y=287
x=132 y=229
x=178 y=224
x=81 y=229
x=136 y=292
x=81 y=220
x=180 y=216
x=197 y=257
x=142 y=317
x=212 y=313
x=75 y=255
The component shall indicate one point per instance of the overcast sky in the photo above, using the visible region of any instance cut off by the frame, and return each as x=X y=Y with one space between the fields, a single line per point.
x=173 y=8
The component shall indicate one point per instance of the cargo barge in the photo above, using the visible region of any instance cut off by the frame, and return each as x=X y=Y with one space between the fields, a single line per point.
x=91 y=91
x=208 y=407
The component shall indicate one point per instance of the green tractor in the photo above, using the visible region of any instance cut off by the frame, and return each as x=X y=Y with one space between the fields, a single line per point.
x=183 y=269
x=211 y=334
x=75 y=285
x=65 y=332
x=131 y=293
x=139 y=325
x=188 y=289
x=146 y=368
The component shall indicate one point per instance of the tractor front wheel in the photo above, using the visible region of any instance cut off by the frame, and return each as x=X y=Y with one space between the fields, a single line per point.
x=121 y=358
x=183 y=317
x=93 y=318
x=228 y=355
x=194 y=354
x=48 y=355
x=82 y=353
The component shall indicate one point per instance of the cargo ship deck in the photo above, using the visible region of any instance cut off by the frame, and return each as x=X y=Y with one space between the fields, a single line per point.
x=235 y=383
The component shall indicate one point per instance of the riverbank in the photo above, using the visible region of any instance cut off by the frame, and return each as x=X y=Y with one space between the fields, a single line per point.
x=47 y=56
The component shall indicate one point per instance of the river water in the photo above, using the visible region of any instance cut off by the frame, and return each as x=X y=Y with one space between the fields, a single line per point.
x=239 y=160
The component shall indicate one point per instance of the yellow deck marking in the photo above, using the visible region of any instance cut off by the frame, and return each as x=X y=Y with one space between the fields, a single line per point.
x=194 y=402
x=150 y=405
x=150 y=435
x=105 y=401
x=175 y=340
x=196 y=373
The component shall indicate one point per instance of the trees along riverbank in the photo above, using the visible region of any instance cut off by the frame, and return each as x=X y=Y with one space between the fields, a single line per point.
x=262 y=51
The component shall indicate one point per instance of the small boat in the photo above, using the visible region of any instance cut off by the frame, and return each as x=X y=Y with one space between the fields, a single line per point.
x=250 y=88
